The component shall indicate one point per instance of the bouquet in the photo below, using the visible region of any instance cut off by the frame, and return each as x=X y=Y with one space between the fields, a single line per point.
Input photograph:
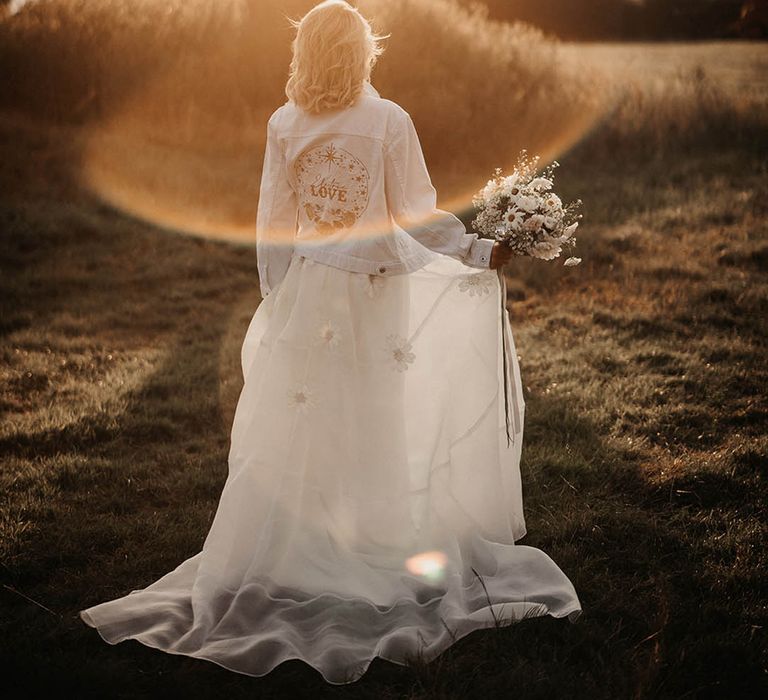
x=522 y=210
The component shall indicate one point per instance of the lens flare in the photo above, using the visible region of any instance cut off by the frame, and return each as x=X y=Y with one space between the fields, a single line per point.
x=429 y=565
x=198 y=191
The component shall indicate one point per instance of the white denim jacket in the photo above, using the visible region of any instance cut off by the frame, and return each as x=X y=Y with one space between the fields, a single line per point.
x=350 y=188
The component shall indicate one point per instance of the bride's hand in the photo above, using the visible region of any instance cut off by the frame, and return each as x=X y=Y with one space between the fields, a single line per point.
x=501 y=254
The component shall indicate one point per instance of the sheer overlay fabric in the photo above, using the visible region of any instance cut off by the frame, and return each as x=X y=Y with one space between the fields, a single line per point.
x=372 y=504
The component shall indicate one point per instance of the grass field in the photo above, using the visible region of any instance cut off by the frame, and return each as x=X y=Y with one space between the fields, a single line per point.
x=644 y=462
x=738 y=68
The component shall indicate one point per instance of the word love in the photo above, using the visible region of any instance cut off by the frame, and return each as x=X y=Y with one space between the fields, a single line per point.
x=328 y=190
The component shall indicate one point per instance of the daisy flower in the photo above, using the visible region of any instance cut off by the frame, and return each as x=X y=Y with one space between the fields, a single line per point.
x=546 y=249
x=301 y=398
x=328 y=335
x=399 y=351
x=513 y=219
x=477 y=283
x=534 y=223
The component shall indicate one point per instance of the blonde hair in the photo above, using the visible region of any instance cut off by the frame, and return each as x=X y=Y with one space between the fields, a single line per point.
x=334 y=51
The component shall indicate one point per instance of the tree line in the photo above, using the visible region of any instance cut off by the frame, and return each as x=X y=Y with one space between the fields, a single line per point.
x=636 y=19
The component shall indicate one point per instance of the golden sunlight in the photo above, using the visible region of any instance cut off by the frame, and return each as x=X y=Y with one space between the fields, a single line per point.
x=180 y=144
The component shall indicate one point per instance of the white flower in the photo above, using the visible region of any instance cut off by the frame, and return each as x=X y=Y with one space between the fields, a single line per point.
x=569 y=231
x=541 y=183
x=551 y=222
x=513 y=219
x=509 y=183
x=546 y=249
x=552 y=203
x=301 y=398
x=534 y=223
x=490 y=190
x=477 y=283
x=572 y=261
x=399 y=351
x=527 y=203
x=328 y=334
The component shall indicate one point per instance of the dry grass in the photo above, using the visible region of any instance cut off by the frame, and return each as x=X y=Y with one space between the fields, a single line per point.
x=645 y=458
x=174 y=98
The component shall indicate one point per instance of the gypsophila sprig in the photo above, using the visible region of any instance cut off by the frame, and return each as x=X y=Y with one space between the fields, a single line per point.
x=522 y=209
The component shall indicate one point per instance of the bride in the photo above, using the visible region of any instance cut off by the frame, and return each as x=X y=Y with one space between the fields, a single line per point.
x=373 y=502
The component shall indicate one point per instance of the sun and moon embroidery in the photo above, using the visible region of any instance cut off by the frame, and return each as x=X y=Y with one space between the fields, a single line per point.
x=333 y=186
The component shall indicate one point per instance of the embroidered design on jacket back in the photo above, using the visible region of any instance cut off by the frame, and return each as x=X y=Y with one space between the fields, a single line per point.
x=333 y=186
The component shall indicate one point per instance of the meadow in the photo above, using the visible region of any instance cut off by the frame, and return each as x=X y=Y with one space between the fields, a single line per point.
x=128 y=278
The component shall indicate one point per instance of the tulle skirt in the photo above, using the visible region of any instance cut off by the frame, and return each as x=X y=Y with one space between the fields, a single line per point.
x=372 y=502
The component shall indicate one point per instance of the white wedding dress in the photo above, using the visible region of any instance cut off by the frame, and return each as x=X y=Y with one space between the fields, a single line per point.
x=372 y=502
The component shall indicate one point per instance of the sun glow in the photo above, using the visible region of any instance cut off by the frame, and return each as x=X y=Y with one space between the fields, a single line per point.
x=181 y=147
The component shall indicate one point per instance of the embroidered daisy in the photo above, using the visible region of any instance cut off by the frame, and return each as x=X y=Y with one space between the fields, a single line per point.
x=301 y=398
x=399 y=352
x=328 y=335
x=477 y=283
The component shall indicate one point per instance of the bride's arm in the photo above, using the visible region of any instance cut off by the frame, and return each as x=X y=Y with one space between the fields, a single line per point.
x=276 y=218
x=412 y=199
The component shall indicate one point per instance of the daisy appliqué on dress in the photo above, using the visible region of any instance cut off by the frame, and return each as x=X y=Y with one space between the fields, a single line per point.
x=399 y=351
x=477 y=283
x=301 y=398
x=328 y=335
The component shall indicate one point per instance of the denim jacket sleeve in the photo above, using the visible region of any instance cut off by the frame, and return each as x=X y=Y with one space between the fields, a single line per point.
x=276 y=219
x=412 y=199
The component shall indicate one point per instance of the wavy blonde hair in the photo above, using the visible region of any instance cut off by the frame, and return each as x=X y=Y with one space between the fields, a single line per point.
x=334 y=50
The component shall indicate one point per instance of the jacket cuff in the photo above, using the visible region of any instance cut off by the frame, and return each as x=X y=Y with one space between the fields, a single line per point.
x=479 y=254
